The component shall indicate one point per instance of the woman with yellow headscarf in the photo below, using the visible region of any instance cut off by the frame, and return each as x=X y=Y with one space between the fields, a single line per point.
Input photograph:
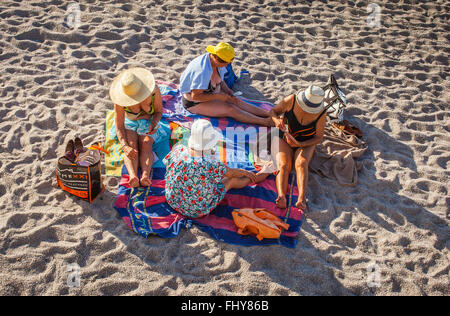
x=206 y=93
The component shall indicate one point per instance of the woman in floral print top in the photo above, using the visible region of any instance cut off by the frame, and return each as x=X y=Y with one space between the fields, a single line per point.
x=196 y=182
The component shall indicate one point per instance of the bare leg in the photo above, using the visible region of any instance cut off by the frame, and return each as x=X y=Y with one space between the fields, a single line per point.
x=223 y=109
x=284 y=159
x=239 y=183
x=132 y=165
x=302 y=158
x=252 y=109
x=146 y=159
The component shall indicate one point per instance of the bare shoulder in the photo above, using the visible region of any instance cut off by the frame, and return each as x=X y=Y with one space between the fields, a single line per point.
x=290 y=98
x=320 y=126
x=323 y=118
x=156 y=90
x=284 y=105
x=118 y=108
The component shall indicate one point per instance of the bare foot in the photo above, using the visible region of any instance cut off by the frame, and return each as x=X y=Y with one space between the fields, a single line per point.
x=133 y=182
x=281 y=202
x=145 y=180
x=301 y=205
x=262 y=175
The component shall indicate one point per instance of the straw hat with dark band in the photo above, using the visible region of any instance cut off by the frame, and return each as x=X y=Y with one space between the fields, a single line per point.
x=311 y=100
x=132 y=86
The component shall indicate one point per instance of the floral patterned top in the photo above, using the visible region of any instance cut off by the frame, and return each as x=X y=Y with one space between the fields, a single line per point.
x=193 y=184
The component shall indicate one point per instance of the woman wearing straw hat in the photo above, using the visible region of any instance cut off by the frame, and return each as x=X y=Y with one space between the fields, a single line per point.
x=206 y=93
x=196 y=182
x=300 y=119
x=138 y=109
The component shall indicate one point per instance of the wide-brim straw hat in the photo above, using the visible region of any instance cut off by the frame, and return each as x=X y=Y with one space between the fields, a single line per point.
x=311 y=99
x=132 y=86
x=203 y=136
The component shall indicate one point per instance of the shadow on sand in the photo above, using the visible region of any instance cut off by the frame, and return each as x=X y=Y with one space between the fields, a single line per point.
x=378 y=196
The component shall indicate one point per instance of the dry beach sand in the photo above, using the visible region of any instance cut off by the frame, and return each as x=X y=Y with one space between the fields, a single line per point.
x=54 y=83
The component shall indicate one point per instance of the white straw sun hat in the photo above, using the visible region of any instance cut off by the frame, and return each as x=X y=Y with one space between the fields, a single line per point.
x=311 y=100
x=132 y=86
x=203 y=136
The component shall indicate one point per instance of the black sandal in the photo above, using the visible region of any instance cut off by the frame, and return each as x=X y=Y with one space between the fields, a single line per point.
x=69 y=154
x=79 y=148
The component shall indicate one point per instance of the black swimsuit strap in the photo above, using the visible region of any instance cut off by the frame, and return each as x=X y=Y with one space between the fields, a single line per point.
x=293 y=103
x=324 y=111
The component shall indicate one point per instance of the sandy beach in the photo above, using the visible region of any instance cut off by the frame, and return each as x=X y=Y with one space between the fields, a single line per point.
x=389 y=235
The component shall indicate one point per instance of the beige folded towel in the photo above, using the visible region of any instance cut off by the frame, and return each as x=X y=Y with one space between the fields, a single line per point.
x=336 y=156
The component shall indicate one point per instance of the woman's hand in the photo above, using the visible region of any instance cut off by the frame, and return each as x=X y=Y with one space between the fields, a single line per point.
x=279 y=123
x=291 y=140
x=240 y=173
x=225 y=89
x=130 y=152
x=153 y=128
x=248 y=174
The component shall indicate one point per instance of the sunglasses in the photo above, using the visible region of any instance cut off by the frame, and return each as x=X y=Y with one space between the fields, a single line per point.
x=220 y=60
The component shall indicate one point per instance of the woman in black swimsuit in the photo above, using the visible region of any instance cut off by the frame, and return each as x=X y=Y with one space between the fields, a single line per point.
x=300 y=119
